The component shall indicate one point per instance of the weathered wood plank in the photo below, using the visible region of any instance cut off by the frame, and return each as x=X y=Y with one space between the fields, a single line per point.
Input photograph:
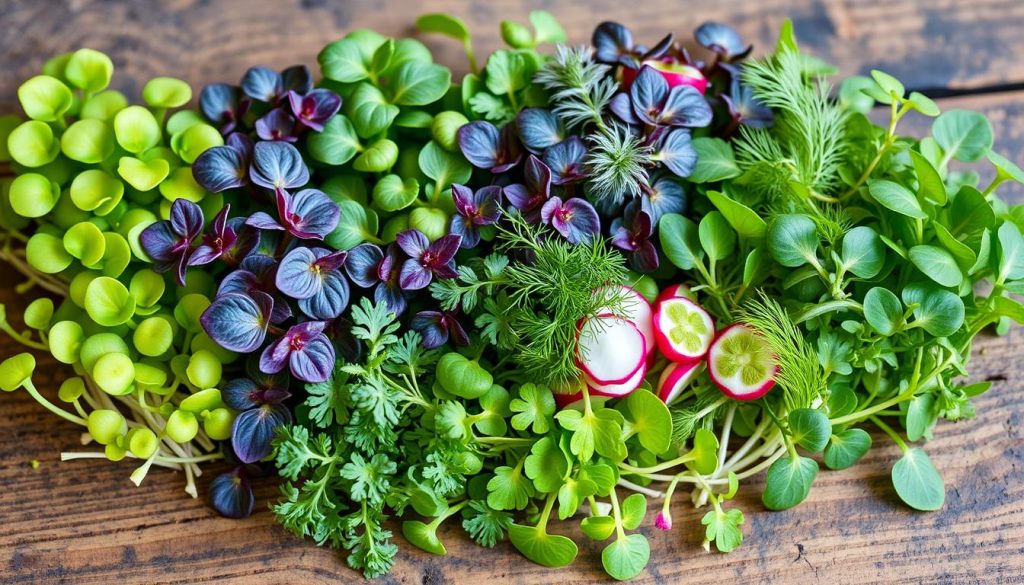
x=927 y=43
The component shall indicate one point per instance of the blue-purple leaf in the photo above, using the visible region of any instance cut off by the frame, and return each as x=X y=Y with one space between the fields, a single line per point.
x=565 y=160
x=648 y=94
x=479 y=142
x=296 y=275
x=231 y=494
x=666 y=196
x=262 y=84
x=277 y=124
x=363 y=263
x=238 y=322
x=613 y=43
x=221 y=168
x=575 y=219
x=685 y=106
x=278 y=165
x=539 y=129
x=330 y=301
x=677 y=153
x=309 y=214
x=297 y=78
x=222 y=104
x=305 y=349
x=253 y=431
x=622 y=107
x=314 y=109
x=721 y=39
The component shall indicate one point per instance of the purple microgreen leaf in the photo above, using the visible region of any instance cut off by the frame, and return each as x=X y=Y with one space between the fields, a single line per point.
x=622 y=107
x=414 y=275
x=575 y=219
x=309 y=214
x=242 y=144
x=330 y=301
x=659 y=49
x=247 y=238
x=278 y=165
x=745 y=108
x=539 y=129
x=262 y=84
x=297 y=275
x=186 y=219
x=221 y=168
x=464 y=228
x=632 y=233
x=314 y=362
x=437 y=327
x=648 y=94
x=474 y=210
x=722 y=39
x=613 y=43
x=253 y=431
x=412 y=242
x=665 y=196
x=685 y=106
x=240 y=394
x=510 y=150
x=238 y=322
x=392 y=296
x=479 y=142
x=216 y=243
x=263 y=221
x=314 y=109
x=277 y=124
x=362 y=264
x=530 y=196
x=222 y=105
x=677 y=153
x=241 y=282
x=159 y=242
x=297 y=78
x=565 y=160
x=231 y=494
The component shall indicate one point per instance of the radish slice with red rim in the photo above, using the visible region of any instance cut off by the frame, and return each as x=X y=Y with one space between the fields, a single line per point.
x=684 y=331
x=633 y=308
x=610 y=349
x=617 y=390
x=675 y=379
x=741 y=363
x=675 y=291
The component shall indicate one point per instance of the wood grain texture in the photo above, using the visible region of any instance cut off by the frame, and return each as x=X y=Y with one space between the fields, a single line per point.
x=83 y=522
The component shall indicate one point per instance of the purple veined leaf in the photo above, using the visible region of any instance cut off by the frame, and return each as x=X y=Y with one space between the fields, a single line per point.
x=613 y=43
x=277 y=124
x=575 y=219
x=686 y=107
x=222 y=105
x=239 y=281
x=216 y=243
x=253 y=431
x=362 y=264
x=474 y=210
x=622 y=107
x=247 y=238
x=302 y=272
x=273 y=388
x=186 y=219
x=262 y=221
x=539 y=129
x=309 y=214
x=238 y=322
x=648 y=94
x=437 y=327
x=257 y=272
x=389 y=289
x=242 y=144
x=510 y=150
x=745 y=108
x=632 y=233
x=262 y=84
x=314 y=109
x=426 y=259
x=565 y=160
x=412 y=242
x=278 y=165
x=479 y=142
x=304 y=349
x=240 y=394
x=666 y=195
x=677 y=153
x=722 y=39
x=659 y=49
x=231 y=494
x=169 y=242
x=297 y=78
x=531 y=195
x=392 y=296
x=330 y=301
x=221 y=168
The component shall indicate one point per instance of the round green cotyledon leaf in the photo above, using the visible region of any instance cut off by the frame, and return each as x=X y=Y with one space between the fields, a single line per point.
x=937 y=264
x=716 y=236
x=114 y=373
x=548 y=550
x=883 y=310
x=166 y=92
x=939 y=312
x=33 y=195
x=917 y=482
x=136 y=129
x=625 y=558
x=863 y=253
x=195 y=140
x=897 y=198
x=108 y=302
x=45 y=253
x=788 y=482
x=65 y=341
x=846 y=448
x=103 y=106
x=88 y=141
x=811 y=428
x=44 y=98
x=423 y=536
x=379 y=157
x=15 y=370
x=391 y=193
x=143 y=175
x=180 y=184
x=38 y=313
x=32 y=144
x=94 y=188
x=793 y=240
x=89 y=69
x=336 y=144
x=85 y=241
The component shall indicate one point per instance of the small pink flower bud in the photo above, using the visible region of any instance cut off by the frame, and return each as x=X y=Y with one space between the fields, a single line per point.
x=663 y=521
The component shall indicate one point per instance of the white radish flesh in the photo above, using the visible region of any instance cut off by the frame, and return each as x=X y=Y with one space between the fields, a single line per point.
x=683 y=330
x=741 y=363
x=620 y=389
x=610 y=349
x=676 y=378
x=634 y=308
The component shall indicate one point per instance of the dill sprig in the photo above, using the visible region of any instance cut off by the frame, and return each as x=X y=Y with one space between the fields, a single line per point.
x=800 y=375
x=581 y=88
x=808 y=139
x=618 y=161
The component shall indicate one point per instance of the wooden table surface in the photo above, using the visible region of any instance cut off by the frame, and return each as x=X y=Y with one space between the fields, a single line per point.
x=84 y=522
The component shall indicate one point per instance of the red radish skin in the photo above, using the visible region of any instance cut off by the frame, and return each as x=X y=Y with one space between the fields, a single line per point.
x=593 y=361
x=670 y=350
x=723 y=385
x=675 y=291
x=675 y=379
x=636 y=310
x=617 y=390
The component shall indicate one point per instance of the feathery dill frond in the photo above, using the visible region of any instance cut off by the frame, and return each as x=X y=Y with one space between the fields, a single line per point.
x=581 y=88
x=618 y=162
x=800 y=375
x=809 y=131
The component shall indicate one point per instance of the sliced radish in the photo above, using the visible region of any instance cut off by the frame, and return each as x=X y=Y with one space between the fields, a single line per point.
x=610 y=349
x=675 y=291
x=741 y=363
x=676 y=378
x=634 y=308
x=684 y=331
x=620 y=389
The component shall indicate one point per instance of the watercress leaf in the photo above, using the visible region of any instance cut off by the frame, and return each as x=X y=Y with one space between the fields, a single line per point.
x=1011 y=253
x=846 y=448
x=369 y=110
x=415 y=83
x=921 y=416
x=939 y=312
x=965 y=256
x=108 y=302
x=863 y=253
x=788 y=482
x=546 y=465
x=509 y=489
x=391 y=193
x=723 y=528
x=938 y=264
x=883 y=310
x=851 y=95
x=923 y=104
x=705 y=451
x=547 y=27
x=625 y=558
x=650 y=420
x=929 y=184
x=278 y=165
x=423 y=536
x=445 y=168
x=963 y=135
x=346 y=61
x=634 y=508
x=680 y=240
x=793 y=240
x=716 y=237
x=548 y=550
x=841 y=401
x=715 y=161
x=377 y=158
x=507 y=72
x=598 y=527
x=810 y=428
x=896 y=197
x=917 y=482
x=676 y=152
x=970 y=212
x=336 y=144
x=539 y=129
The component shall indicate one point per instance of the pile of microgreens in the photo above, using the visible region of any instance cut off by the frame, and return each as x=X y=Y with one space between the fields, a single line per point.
x=395 y=267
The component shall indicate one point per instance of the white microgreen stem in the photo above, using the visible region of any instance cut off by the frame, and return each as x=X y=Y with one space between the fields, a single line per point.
x=723 y=442
x=617 y=515
x=651 y=493
x=30 y=387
